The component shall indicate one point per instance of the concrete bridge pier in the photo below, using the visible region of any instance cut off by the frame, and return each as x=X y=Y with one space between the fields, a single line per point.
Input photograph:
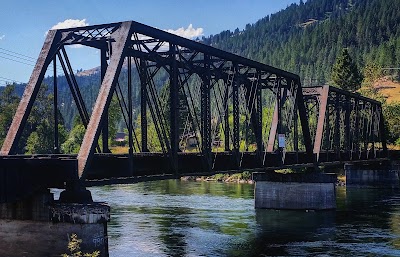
x=41 y=226
x=295 y=191
x=374 y=174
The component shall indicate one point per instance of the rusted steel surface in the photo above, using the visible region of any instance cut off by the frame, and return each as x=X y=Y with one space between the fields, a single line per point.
x=121 y=36
x=323 y=100
x=273 y=130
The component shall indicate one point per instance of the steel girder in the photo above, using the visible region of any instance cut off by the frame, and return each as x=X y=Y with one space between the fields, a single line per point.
x=153 y=49
x=347 y=126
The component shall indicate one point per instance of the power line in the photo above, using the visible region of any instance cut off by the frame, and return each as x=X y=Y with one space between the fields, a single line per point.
x=8 y=79
x=30 y=64
x=23 y=57
x=26 y=60
x=16 y=56
x=50 y=68
x=30 y=57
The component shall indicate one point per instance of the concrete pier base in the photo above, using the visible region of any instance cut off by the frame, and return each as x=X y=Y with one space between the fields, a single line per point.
x=44 y=228
x=377 y=175
x=295 y=191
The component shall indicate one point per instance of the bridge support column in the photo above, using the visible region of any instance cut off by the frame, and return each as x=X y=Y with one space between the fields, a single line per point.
x=295 y=191
x=379 y=175
x=40 y=226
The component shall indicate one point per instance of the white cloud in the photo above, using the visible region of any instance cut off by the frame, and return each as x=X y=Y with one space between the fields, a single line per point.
x=69 y=23
x=189 y=32
x=2 y=37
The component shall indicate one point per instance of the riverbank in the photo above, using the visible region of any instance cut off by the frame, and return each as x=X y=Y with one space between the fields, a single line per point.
x=242 y=178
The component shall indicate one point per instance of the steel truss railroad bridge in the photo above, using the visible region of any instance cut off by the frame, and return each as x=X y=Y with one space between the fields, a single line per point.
x=207 y=110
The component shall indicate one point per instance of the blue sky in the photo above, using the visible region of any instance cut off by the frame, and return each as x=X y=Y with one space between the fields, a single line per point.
x=23 y=23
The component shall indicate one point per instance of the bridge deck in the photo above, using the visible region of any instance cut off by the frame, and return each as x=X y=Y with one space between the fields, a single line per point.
x=28 y=171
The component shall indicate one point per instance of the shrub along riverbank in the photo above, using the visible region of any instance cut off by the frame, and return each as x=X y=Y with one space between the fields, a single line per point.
x=244 y=177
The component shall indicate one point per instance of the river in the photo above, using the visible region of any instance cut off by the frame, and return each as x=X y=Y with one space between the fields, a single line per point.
x=181 y=218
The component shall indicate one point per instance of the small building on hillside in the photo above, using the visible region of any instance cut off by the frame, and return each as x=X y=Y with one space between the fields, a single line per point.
x=120 y=138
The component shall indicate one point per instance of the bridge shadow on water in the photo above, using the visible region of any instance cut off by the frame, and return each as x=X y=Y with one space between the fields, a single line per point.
x=366 y=223
x=277 y=230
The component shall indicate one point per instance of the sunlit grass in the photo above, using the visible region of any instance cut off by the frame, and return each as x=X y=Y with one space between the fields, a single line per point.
x=119 y=149
x=389 y=89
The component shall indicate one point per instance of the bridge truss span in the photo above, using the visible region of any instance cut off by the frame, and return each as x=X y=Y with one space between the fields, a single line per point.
x=190 y=108
x=346 y=126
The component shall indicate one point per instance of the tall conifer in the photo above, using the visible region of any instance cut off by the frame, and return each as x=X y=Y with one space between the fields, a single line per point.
x=345 y=73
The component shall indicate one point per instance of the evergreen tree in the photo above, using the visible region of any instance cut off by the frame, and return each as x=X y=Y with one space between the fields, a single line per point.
x=345 y=73
x=8 y=105
x=40 y=125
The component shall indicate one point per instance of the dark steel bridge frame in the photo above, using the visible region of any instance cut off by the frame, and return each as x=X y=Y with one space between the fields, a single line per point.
x=304 y=127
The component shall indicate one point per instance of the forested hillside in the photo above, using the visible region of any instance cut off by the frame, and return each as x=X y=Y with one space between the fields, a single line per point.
x=307 y=38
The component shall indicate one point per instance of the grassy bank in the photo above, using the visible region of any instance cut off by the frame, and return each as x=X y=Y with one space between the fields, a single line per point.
x=244 y=177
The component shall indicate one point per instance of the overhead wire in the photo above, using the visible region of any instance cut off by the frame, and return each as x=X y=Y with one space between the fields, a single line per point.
x=22 y=59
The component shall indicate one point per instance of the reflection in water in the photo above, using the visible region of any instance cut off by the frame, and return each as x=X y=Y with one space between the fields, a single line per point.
x=179 y=218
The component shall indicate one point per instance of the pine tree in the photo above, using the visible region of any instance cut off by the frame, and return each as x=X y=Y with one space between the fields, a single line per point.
x=345 y=73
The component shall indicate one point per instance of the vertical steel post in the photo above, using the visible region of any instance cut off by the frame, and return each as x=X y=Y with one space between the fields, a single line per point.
x=365 y=129
x=143 y=103
x=337 y=126
x=383 y=133
x=130 y=114
x=279 y=103
x=206 y=113
x=296 y=130
x=226 y=117
x=103 y=68
x=371 y=131
x=347 y=125
x=174 y=108
x=236 y=112
x=356 y=132
x=130 y=108
x=327 y=130
x=55 y=103
x=257 y=121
